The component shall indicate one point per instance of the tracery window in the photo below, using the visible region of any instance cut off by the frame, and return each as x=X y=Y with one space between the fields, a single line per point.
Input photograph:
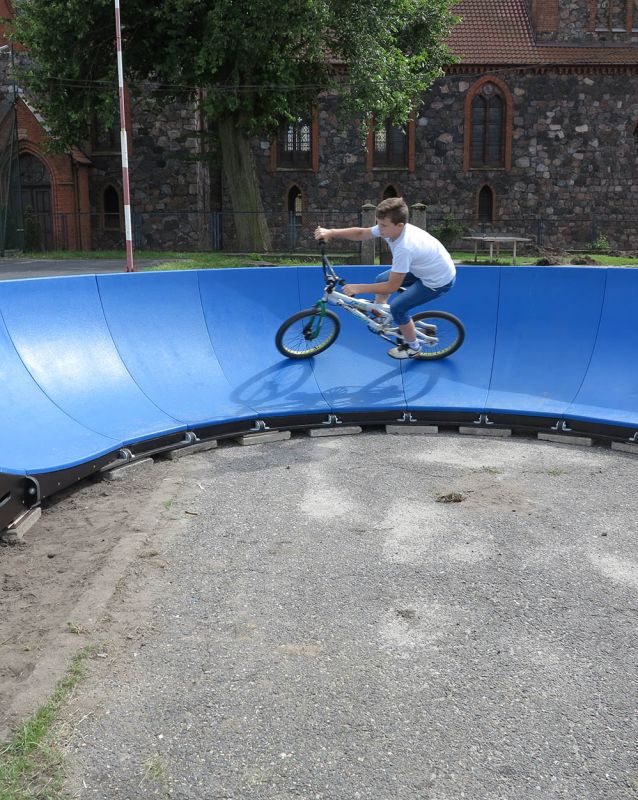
x=391 y=146
x=487 y=145
x=295 y=145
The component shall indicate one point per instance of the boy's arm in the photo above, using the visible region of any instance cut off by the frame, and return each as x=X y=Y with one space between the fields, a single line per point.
x=395 y=279
x=354 y=234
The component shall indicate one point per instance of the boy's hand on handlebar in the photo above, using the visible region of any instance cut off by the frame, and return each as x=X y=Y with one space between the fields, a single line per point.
x=322 y=233
x=350 y=289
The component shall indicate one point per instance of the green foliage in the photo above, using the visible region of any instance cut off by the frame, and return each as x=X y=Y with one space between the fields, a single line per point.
x=602 y=242
x=262 y=62
x=449 y=230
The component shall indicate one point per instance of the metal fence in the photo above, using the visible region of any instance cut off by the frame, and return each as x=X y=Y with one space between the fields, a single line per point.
x=290 y=233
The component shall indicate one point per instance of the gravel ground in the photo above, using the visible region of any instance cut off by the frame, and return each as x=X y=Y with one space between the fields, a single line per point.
x=382 y=617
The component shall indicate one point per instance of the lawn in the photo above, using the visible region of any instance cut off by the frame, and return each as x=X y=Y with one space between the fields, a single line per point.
x=215 y=260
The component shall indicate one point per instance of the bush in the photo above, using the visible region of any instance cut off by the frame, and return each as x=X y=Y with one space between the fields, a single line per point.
x=601 y=243
x=449 y=230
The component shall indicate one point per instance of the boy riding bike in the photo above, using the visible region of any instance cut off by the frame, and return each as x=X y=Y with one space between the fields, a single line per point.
x=420 y=263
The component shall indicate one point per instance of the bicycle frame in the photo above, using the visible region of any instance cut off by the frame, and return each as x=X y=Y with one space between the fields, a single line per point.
x=358 y=307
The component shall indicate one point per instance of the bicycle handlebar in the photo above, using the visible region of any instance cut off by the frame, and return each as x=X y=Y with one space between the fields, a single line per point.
x=328 y=270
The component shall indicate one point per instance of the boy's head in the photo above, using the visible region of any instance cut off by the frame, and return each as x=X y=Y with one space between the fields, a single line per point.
x=392 y=216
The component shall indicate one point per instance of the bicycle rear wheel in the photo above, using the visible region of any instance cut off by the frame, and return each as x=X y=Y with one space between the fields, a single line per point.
x=307 y=333
x=446 y=329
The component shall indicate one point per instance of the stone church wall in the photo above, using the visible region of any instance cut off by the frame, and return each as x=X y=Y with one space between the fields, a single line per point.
x=574 y=162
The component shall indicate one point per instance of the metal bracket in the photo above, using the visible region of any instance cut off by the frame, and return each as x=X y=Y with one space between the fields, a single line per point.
x=483 y=420
x=124 y=456
x=407 y=417
x=190 y=438
x=259 y=426
x=634 y=438
x=561 y=425
x=333 y=419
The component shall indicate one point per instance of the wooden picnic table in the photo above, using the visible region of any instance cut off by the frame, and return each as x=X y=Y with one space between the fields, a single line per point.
x=498 y=241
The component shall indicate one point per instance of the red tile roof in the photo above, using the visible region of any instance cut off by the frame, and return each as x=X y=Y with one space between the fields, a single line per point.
x=500 y=32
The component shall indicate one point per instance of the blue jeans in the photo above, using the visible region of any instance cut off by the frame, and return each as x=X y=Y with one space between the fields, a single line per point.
x=416 y=294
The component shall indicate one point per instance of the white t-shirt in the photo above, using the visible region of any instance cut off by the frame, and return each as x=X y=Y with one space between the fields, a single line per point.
x=418 y=252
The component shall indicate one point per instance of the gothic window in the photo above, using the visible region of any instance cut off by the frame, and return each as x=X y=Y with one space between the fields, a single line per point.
x=295 y=145
x=111 y=205
x=295 y=203
x=486 y=205
x=390 y=191
x=488 y=128
x=35 y=181
x=390 y=146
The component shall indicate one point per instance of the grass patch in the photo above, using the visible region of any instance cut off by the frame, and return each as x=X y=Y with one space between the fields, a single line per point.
x=214 y=260
x=462 y=257
x=31 y=763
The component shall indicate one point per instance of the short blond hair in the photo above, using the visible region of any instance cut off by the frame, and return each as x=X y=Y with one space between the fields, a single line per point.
x=395 y=209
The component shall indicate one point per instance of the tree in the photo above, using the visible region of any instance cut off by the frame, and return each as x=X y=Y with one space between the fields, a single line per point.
x=258 y=64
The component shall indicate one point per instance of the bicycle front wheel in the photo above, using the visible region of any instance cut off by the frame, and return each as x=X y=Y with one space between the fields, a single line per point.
x=307 y=333
x=445 y=333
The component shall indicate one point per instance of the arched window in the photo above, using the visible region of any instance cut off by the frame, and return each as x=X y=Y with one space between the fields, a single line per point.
x=295 y=203
x=35 y=183
x=391 y=146
x=111 y=205
x=486 y=205
x=295 y=145
x=390 y=191
x=487 y=147
x=487 y=125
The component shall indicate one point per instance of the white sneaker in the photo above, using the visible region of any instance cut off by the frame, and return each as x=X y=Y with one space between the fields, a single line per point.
x=404 y=351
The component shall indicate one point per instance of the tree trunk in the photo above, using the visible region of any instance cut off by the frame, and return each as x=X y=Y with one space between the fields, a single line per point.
x=240 y=172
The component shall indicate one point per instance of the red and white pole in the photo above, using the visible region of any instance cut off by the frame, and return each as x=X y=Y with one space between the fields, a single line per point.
x=130 y=266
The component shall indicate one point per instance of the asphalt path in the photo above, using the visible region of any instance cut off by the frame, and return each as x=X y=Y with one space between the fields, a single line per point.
x=381 y=617
x=15 y=268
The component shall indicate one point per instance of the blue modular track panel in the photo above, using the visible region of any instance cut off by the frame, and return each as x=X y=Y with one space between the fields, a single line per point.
x=547 y=325
x=35 y=434
x=61 y=335
x=243 y=309
x=354 y=374
x=460 y=382
x=90 y=364
x=157 y=324
x=609 y=391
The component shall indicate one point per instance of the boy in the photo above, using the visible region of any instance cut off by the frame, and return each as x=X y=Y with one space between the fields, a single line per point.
x=420 y=263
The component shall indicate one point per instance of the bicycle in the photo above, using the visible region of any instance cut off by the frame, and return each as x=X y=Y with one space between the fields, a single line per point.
x=311 y=331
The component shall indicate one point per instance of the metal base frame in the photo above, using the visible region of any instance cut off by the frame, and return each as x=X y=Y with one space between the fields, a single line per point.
x=19 y=493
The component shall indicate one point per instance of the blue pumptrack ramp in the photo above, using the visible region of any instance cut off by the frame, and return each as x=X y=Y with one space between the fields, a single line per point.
x=100 y=370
